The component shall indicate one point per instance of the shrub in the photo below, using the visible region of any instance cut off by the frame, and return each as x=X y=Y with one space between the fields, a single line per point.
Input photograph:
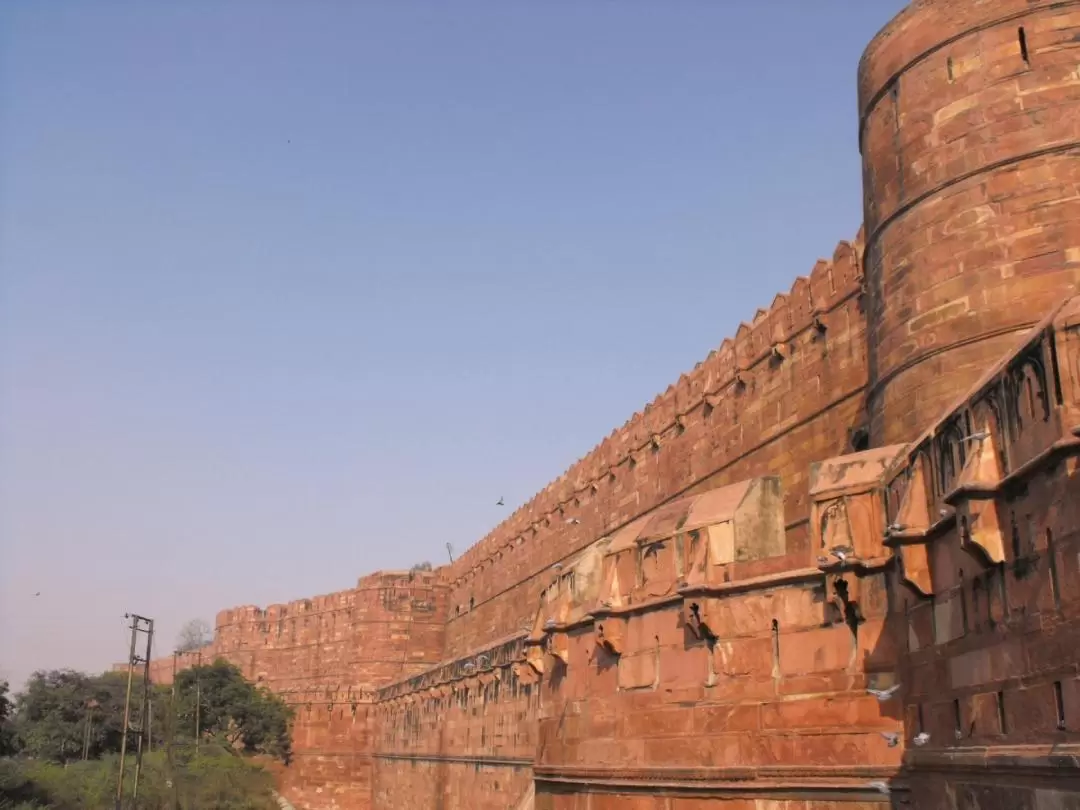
x=215 y=778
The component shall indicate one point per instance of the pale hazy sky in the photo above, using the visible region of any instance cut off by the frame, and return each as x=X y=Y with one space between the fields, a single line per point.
x=292 y=292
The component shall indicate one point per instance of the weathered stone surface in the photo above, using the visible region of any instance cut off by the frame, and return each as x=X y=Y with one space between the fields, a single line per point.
x=970 y=138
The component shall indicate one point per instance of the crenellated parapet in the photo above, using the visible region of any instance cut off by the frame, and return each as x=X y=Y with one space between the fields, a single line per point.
x=784 y=392
x=806 y=314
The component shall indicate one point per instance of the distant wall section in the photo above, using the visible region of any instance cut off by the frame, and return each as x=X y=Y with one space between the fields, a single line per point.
x=326 y=657
x=387 y=627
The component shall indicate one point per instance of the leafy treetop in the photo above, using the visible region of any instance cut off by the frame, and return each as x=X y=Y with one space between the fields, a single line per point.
x=247 y=717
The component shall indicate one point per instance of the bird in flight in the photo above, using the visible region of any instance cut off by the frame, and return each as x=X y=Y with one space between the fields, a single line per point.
x=922 y=738
x=500 y=502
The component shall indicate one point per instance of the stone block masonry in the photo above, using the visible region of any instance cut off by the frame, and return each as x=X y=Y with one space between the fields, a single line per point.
x=971 y=164
x=832 y=566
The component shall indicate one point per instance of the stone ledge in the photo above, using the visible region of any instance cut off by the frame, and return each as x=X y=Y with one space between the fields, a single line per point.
x=827 y=777
x=516 y=762
x=1060 y=762
x=775 y=784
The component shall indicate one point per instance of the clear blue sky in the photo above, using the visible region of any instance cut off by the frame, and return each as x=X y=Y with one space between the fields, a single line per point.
x=296 y=291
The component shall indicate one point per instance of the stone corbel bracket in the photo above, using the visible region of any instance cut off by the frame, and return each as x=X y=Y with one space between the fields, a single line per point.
x=609 y=631
x=525 y=672
x=848 y=509
x=556 y=645
x=534 y=652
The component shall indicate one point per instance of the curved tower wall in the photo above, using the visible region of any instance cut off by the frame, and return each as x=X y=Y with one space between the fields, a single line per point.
x=969 y=129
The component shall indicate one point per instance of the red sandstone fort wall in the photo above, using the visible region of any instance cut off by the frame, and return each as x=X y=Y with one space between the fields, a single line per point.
x=784 y=392
x=385 y=628
x=449 y=689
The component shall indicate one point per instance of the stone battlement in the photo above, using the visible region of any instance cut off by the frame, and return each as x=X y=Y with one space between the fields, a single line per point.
x=807 y=310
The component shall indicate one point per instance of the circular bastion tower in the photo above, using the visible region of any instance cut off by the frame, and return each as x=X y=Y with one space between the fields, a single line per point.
x=969 y=129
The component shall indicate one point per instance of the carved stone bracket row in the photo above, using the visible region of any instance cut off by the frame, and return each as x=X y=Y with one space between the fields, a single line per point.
x=960 y=475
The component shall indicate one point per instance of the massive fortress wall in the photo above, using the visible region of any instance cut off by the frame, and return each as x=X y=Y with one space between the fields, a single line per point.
x=658 y=629
x=785 y=391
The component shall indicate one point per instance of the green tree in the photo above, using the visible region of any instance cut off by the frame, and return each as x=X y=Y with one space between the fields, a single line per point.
x=57 y=708
x=7 y=735
x=246 y=717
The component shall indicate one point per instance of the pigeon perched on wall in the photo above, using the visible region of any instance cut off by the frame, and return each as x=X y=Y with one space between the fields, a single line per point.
x=884 y=694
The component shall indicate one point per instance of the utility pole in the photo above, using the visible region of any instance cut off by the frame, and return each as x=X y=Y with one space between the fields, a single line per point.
x=137 y=626
x=144 y=724
x=170 y=732
x=198 y=701
x=88 y=731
